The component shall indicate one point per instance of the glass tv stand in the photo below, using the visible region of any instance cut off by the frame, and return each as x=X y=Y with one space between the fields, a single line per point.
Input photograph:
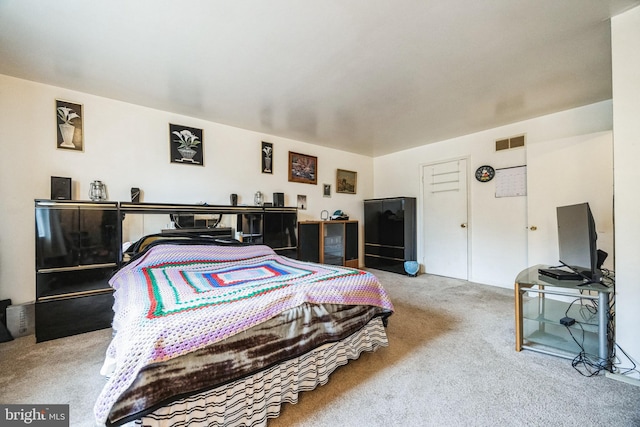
x=540 y=304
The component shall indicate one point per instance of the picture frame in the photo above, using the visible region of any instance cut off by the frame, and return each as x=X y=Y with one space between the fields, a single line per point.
x=326 y=190
x=303 y=168
x=267 y=157
x=69 y=125
x=302 y=202
x=186 y=145
x=346 y=181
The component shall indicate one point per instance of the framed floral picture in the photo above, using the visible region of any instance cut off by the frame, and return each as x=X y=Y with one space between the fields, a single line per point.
x=346 y=181
x=69 y=119
x=186 y=145
x=303 y=168
x=267 y=157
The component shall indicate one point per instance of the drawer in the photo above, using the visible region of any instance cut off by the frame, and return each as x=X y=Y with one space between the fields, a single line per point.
x=63 y=317
x=385 y=251
x=72 y=281
x=387 y=264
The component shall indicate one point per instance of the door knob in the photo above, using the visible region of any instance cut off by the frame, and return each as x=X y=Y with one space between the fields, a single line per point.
x=463 y=225
x=533 y=228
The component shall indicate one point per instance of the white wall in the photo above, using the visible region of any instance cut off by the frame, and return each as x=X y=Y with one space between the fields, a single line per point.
x=625 y=39
x=497 y=226
x=128 y=146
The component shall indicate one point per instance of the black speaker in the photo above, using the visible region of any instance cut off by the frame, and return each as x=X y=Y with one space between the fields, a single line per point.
x=602 y=256
x=60 y=188
x=234 y=199
x=278 y=199
x=135 y=195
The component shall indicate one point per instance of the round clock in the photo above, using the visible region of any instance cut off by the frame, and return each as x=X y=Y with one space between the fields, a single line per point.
x=485 y=173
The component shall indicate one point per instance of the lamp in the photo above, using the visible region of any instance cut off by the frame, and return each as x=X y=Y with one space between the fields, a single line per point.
x=97 y=191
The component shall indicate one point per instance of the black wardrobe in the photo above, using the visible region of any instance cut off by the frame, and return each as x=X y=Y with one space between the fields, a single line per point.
x=389 y=233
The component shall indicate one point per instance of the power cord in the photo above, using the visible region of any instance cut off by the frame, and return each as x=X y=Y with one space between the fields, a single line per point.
x=583 y=362
x=609 y=279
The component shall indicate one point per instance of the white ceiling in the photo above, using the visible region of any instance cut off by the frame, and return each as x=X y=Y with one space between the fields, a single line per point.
x=366 y=76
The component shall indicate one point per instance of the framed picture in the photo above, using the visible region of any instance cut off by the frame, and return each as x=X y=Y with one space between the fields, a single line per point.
x=346 y=181
x=267 y=157
x=186 y=145
x=326 y=190
x=302 y=202
x=303 y=168
x=69 y=117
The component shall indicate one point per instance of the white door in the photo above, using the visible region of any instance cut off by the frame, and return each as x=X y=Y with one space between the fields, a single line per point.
x=565 y=172
x=444 y=216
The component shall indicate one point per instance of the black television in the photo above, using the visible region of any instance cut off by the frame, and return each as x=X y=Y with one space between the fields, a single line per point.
x=577 y=239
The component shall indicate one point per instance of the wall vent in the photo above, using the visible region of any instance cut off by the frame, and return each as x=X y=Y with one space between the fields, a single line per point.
x=512 y=142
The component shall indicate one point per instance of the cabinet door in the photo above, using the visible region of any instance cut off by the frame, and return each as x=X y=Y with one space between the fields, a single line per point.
x=98 y=236
x=72 y=236
x=372 y=214
x=351 y=245
x=333 y=243
x=351 y=241
x=57 y=242
x=392 y=223
x=280 y=230
x=309 y=245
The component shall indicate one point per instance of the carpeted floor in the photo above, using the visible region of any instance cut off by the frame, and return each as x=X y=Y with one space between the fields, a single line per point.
x=450 y=362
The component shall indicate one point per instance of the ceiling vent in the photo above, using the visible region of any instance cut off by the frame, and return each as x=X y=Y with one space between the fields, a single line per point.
x=507 y=143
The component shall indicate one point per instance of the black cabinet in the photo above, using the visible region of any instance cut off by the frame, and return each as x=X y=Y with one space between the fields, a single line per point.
x=329 y=242
x=77 y=249
x=271 y=226
x=280 y=231
x=389 y=233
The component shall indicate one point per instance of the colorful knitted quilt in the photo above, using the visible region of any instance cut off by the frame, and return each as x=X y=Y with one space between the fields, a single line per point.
x=179 y=299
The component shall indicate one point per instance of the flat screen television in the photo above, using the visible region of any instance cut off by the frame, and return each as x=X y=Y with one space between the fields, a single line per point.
x=577 y=239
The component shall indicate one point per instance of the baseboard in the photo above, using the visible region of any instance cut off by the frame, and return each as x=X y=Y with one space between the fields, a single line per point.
x=623 y=378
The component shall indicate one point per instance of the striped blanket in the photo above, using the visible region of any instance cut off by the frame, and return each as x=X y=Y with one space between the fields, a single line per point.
x=178 y=301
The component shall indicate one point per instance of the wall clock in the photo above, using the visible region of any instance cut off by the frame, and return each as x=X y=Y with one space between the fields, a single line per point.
x=485 y=173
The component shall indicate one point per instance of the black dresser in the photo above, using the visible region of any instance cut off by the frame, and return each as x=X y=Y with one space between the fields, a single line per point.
x=77 y=249
x=389 y=233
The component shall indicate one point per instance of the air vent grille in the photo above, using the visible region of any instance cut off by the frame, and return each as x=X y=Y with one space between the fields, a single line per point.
x=512 y=142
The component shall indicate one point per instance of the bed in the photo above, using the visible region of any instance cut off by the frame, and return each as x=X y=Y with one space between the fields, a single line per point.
x=218 y=333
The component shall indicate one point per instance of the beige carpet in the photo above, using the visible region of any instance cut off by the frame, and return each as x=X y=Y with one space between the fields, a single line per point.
x=451 y=362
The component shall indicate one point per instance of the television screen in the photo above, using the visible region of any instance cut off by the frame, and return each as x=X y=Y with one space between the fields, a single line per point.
x=577 y=239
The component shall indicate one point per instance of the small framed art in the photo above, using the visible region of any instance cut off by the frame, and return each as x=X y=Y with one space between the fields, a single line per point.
x=302 y=202
x=186 y=145
x=303 y=168
x=346 y=181
x=69 y=117
x=326 y=190
x=267 y=157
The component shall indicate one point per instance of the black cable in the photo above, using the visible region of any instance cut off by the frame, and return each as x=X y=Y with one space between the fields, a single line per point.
x=583 y=359
x=627 y=370
x=589 y=364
